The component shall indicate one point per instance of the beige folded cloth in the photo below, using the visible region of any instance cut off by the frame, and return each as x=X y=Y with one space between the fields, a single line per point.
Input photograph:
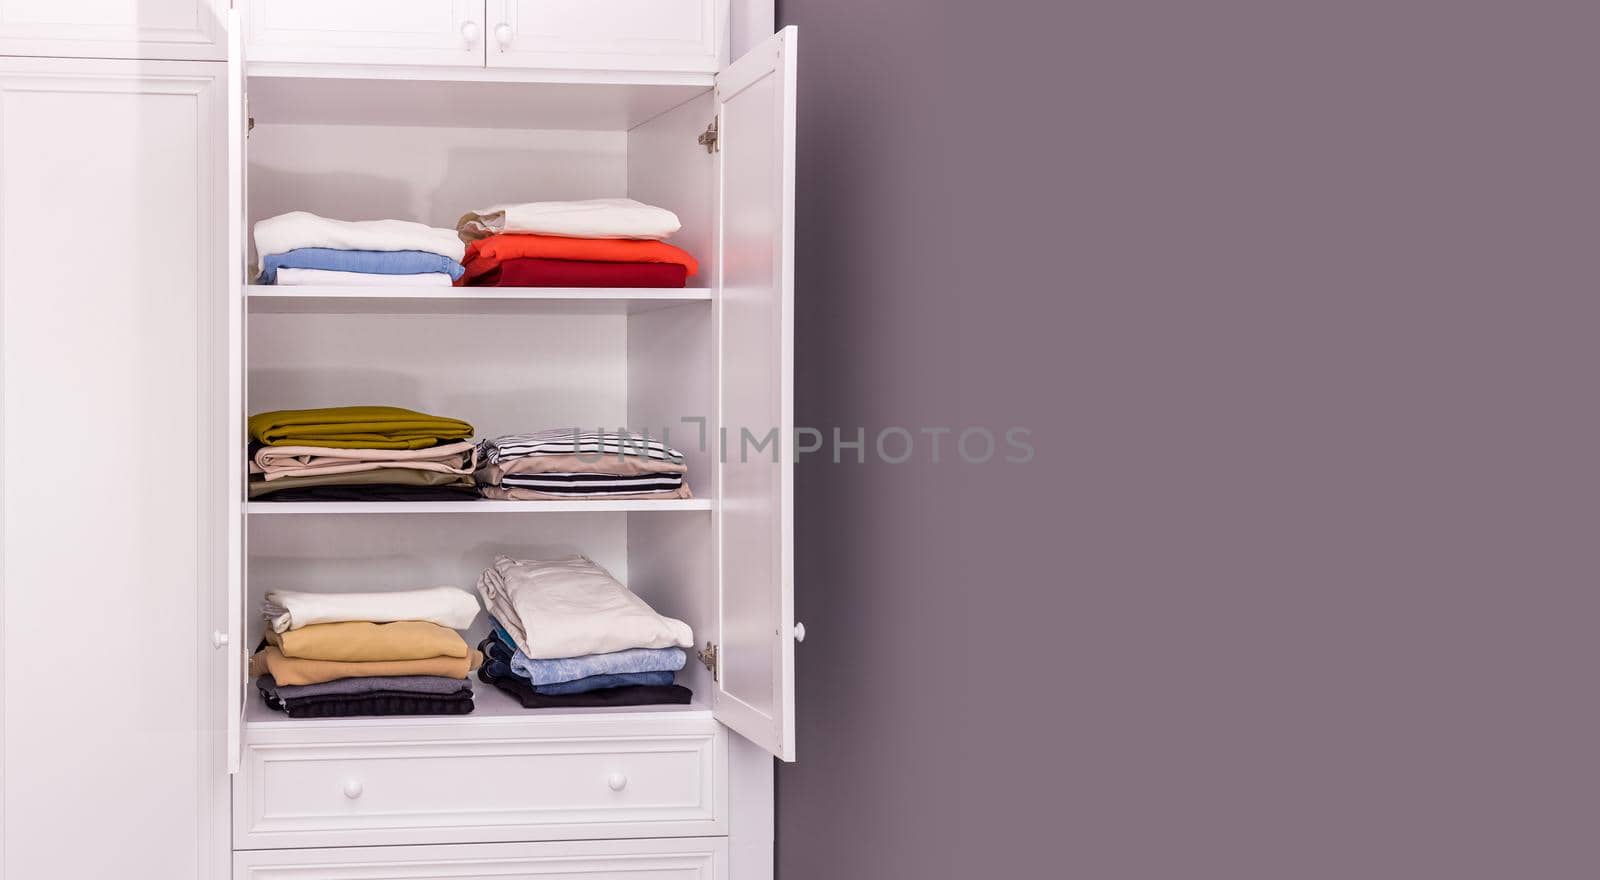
x=571 y=607
x=277 y=462
x=589 y=218
x=289 y=670
x=510 y=493
x=364 y=641
x=450 y=607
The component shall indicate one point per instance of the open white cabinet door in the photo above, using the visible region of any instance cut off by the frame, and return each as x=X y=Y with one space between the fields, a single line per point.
x=754 y=519
x=233 y=644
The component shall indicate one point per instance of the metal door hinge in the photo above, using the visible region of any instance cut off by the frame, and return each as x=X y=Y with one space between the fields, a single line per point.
x=708 y=657
x=708 y=138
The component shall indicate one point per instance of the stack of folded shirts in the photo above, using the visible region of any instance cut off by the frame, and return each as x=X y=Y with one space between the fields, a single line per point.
x=593 y=243
x=569 y=464
x=340 y=654
x=302 y=248
x=567 y=634
x=361 y=453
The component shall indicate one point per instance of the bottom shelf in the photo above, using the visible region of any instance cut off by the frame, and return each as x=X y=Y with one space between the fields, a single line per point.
x=491 y=706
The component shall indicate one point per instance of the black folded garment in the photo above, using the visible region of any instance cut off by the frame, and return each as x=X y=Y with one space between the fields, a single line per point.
x=628 y=695
x=370 y=703
x=374 y=493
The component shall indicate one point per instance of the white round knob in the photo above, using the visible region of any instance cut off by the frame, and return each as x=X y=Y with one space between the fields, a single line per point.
x=617 y=782
x=799 y=631
x=352 y=789
x=470 y=32
x=218 y=639
x=503 y=34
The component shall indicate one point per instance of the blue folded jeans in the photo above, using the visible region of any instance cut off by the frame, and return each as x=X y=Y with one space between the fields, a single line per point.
x=369 y=262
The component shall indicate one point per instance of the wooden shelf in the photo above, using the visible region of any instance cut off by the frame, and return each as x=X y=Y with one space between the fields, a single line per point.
x=479 y=507
x=319 y=300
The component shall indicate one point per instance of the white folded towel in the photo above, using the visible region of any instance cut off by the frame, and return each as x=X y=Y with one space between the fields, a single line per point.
x=334 y=278
x=447 y=606
x=301 y=229
x=591 y=218
x=571 y=607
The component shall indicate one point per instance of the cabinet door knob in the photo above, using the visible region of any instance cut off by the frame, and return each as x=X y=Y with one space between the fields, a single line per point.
x=617 y=781
x=218 y=638
x=503 y=34
x=799 y=631
x=470 y=32
x=352 y=789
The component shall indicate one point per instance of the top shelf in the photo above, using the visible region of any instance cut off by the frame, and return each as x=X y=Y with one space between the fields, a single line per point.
x=321 y=300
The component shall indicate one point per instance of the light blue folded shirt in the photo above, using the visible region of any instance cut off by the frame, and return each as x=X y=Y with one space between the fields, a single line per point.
x=369 y=262
x=543 y=672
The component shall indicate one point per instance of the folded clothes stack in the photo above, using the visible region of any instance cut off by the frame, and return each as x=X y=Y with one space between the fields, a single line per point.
x=361 y=453
x=301 y=248
x=329 y=655
x=592 y=243
x=567 y=634
x=568 y=464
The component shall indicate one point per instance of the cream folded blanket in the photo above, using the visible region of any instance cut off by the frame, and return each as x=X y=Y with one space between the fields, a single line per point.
x=570 y=607
x=277 y=462
x=288 y=277
x=300 y=229
x=590 y=218
x=450 y=607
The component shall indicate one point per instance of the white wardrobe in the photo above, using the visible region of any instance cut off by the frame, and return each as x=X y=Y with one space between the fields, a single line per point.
x=139 y=141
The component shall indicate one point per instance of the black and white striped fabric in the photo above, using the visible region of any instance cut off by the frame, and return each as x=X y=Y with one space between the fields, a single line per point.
x=593 y=484
x=570 y=441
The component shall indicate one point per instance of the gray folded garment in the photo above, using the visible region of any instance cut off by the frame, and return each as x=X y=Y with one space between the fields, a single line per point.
x=355 y=686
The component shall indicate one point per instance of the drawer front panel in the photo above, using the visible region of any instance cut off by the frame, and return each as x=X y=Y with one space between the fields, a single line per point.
x=658 y=35
x=366 y=793
x=687 y=859
x=406 y=32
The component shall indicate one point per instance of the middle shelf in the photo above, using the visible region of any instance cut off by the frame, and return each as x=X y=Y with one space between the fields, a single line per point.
x=484 y=506
x=313 y=300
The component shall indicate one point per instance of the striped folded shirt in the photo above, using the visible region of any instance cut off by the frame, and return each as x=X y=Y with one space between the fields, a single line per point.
x=593 y=485
x=571 y=441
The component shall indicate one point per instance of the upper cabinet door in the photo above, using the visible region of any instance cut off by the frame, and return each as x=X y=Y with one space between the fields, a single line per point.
x=434 y=33
x=114 y=357
x=682 y=36
x=176 y=29
x=754 y=518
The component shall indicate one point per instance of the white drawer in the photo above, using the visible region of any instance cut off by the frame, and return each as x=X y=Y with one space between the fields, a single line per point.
x=448 y=33
x=703 y=858
x=582 y=778
x=687 y=36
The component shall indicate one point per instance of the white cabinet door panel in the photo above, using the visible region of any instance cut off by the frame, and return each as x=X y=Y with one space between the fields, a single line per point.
x=685 y=36
x=754 y=518
x=111 y=303
x=447 y=33
x=702 y=858
x=178 y=29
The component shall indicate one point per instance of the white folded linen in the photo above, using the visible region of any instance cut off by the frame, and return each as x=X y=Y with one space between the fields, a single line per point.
x=302 y=229
x=570 y=607
x=447 y=606
x=591 y=218
x=335 y=278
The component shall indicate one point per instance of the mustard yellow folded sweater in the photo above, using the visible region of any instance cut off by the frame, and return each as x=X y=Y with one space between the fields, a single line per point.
x=289 y=670
x=356 y=427
x=364 y=641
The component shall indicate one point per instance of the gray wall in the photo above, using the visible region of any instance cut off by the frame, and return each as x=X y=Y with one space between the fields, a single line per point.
x=1299 y=302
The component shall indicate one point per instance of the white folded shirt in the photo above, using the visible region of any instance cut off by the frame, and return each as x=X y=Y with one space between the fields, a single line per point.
x=335 y=278
x=570 y=607
x=447 y=606
x=302 y=229
x=591 y=218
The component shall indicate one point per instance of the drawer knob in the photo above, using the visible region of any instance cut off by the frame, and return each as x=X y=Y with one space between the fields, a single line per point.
x=617 y=781
x=218 y=639
x=352 y=789
x=799 y=631
x=470 y=32
x=503 y=34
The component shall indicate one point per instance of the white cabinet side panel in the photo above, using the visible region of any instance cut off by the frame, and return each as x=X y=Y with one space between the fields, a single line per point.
x=174 y=29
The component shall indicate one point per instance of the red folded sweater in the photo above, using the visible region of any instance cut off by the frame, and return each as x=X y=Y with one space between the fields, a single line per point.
x=528 y=272
x=485 y=254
